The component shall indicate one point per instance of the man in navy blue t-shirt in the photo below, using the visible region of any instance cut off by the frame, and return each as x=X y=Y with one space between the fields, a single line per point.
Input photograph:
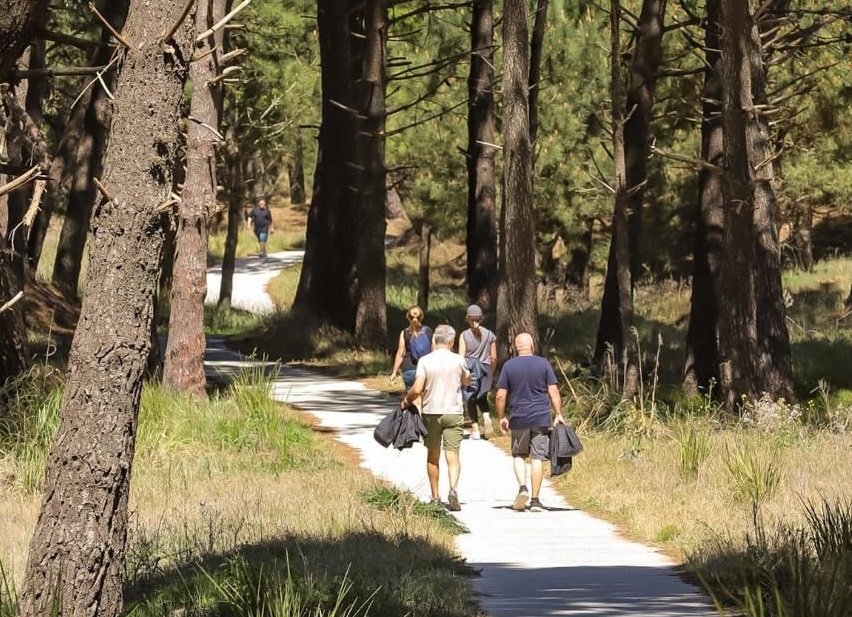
x=527 y=382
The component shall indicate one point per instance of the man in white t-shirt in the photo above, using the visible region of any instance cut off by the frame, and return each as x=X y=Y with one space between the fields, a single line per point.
x=440 y=377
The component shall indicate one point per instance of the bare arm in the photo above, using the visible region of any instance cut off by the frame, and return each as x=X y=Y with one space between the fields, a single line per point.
x=462 y=346
x=415 y=392
x=500 y=404
x=400 y=356
x=555 y=403
x=492 y=353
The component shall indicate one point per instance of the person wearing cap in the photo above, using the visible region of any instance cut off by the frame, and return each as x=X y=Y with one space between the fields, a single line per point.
x=478 y=346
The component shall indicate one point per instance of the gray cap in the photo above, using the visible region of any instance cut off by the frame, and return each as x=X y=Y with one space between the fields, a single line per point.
x=474 y=311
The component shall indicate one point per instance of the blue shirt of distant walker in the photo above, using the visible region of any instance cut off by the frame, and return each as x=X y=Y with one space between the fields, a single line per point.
x=526 y=379
x=261 y=219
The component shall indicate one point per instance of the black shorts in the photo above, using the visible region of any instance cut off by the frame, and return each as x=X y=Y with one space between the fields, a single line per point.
x=531 y=442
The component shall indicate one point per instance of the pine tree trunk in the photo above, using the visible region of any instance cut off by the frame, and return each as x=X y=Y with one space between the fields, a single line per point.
x=516 y=300
x=701 y=370
x=183 y=367
x=370 y=300
x=481 y=235
x=14 y=356
x=327 y=269
x=80 y=159
x=616 y=347
x=236 y=198
x=536 y=50
x=18 y=20
x=76 y=555
x=753 y=340
x=296 y=173
x=423 y=270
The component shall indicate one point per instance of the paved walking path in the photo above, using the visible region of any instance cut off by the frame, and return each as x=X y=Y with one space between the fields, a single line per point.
x=559 y=562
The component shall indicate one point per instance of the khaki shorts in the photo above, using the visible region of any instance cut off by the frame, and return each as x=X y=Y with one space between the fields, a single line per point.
x=446 y=428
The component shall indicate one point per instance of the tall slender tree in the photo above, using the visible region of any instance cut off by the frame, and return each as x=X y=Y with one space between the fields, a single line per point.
x=183 y=366
x=76 y=555
x=516 y=299
x=481 y=238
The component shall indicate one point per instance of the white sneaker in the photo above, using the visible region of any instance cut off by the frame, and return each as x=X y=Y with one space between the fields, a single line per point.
x=475 y=436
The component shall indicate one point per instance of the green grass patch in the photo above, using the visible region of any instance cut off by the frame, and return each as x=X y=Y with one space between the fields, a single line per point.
x=386 y=497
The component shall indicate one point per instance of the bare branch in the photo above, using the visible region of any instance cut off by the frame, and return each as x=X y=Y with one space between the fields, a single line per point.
x=695 y=162
x=187 y=7
x=102 y=189
x=222 y=22
x=35 y=202
x=20 y=180
x=11 y=302
x=108 y=26
x=63 y=71
x=67 y=39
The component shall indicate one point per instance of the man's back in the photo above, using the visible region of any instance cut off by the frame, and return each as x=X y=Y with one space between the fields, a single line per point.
x=444 y=372
x=526 y=378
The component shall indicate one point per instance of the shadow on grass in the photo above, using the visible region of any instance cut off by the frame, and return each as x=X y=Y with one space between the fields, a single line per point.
x=396 y=575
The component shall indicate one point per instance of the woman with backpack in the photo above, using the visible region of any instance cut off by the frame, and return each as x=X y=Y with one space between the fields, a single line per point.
x=415 y=341
x=478 y=346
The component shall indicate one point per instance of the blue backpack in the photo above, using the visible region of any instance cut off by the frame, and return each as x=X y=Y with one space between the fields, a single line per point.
x=419 y=344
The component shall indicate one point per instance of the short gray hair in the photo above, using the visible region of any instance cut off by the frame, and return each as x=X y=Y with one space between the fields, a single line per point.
x=444 y=335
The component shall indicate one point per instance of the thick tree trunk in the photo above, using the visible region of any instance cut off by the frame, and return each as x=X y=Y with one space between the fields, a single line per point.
x=18 y=20
x=516 y=300
x=79 y=159
x=481 y=192
x=754 y=342
x=327 y=269
x=296 y=173
x=183 y=366
x=370 y=301
x=701 y=370
x=76 y=556
x=616 y=347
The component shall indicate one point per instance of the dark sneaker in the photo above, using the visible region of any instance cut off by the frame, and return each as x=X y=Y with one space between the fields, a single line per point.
x=435 y=501
x=536 y=505
x=520 y=502
x=453 y=504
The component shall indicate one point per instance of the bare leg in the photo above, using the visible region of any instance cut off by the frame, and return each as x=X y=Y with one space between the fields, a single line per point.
x=433 y=461
x=453 y=469
x=520 y=470
x=537 y=473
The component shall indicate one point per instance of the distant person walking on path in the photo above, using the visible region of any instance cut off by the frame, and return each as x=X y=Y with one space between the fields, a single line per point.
x=261 y=224
x=528 y=384
x=415 y=341
x=440 y=377
x=478 y=346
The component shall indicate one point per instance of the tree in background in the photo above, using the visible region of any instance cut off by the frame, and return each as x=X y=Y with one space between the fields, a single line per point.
x=753 y=339
x=516 y=298
x=481 y=237
x=183 y=366
x=84 y=512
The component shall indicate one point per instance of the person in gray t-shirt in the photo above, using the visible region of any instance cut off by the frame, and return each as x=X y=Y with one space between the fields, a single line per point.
x=478 y=346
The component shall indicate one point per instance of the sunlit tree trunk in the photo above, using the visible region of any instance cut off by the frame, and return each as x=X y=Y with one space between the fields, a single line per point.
x=516 y=300
x=76 y=556
x=183 y=367
x=481 y=235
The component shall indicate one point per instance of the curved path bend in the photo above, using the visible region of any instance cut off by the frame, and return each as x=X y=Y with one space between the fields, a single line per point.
x=559 y=562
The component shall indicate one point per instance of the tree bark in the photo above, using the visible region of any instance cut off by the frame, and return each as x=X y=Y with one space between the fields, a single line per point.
x=516 y=300
x=327 y=269
x=536 y=51
x=296 y=173
x=79 y=159
x=753 y=340
x=14 y=356
x=424 y=269
x=701 y=370
x=77 y=551
x=183 y=366
x=236 y=198
x=616 y=347
x=481 y=235
x=370 y=300
x=17 y=25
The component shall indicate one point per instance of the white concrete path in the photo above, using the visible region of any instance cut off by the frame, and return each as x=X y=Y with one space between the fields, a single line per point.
x=559 y=562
